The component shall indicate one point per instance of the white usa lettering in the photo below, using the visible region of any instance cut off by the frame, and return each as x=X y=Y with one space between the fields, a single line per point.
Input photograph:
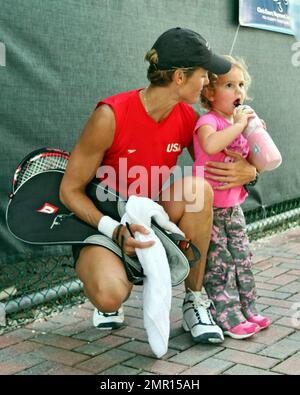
x=173 y=147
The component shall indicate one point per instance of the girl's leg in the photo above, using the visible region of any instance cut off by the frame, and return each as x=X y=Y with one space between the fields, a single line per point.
x=220 y=280
x=238 y=245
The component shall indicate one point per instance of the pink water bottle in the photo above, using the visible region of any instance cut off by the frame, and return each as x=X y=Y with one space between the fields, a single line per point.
x=264 y=154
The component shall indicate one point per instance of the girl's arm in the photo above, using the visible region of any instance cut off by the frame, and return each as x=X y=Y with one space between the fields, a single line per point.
x=213 y=142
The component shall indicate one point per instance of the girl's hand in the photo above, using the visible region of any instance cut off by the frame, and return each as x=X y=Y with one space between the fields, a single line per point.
x=241 y=116
x=232 y=174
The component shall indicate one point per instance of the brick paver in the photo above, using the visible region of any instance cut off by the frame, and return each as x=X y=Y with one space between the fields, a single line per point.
x=210 y=366
x=52 y=339
x=248 y=370
x=245 y=358
x=289 y=366
x=282 y=349
x=60 y=355
x=68 y=344
x=195 y=354
x=105 y=361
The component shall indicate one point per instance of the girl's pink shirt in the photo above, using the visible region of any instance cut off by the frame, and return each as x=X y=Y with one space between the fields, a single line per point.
x=230 y=197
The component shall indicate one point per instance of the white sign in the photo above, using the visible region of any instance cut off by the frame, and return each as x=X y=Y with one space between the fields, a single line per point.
x=265 y=14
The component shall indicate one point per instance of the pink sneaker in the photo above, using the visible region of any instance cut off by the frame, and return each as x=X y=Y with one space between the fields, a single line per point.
x=261 y=321
x=243 y=330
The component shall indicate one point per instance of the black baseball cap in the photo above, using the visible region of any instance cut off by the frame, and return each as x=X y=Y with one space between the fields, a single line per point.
x=179 y=47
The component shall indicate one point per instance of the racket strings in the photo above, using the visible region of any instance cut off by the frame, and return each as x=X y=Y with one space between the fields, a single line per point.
x=38 y=165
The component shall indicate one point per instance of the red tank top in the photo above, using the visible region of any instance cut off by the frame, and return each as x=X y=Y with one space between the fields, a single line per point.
x=143 y=152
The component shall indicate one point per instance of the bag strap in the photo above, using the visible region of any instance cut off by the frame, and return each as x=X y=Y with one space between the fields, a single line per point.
x=184 y=245
x=181 y=243
x=132 y=276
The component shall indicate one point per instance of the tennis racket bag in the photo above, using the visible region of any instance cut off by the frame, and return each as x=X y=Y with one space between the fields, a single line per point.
x=36 y=215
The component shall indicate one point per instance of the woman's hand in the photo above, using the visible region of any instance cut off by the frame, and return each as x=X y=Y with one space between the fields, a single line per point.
x=231 y=174
x=129 y=243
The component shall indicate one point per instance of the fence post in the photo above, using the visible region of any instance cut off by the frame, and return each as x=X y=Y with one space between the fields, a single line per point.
x=2 y=315
x=2 y=55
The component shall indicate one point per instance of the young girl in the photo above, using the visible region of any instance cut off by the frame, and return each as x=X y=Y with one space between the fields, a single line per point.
x=229 y=282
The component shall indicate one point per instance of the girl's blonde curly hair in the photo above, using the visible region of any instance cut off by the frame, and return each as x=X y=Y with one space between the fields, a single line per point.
x=213 y=79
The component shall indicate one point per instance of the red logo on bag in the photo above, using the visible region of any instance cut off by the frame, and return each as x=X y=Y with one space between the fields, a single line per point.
x=48 y=209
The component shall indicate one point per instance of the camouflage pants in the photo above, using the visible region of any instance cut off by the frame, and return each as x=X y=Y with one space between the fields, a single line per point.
x=229 y=281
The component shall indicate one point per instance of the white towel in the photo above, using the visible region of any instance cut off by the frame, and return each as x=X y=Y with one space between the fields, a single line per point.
x=157 y=283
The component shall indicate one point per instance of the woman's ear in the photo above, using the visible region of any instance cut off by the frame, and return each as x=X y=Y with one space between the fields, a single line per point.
x=179 y=77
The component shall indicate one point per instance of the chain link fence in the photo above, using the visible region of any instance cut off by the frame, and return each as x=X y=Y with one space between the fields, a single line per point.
x=37 y=288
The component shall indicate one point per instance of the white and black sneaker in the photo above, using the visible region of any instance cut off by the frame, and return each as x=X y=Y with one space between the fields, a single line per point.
x=108 y=320
x=198 y=320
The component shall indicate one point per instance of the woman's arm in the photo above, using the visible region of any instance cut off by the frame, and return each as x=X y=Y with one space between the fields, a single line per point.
x=85 y=159
x=239 y=172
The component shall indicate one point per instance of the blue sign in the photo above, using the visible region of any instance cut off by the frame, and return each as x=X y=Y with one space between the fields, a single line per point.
x=265 y=14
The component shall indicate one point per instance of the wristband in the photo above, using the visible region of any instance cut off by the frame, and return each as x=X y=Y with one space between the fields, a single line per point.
x=253 y=182
x=107 y=225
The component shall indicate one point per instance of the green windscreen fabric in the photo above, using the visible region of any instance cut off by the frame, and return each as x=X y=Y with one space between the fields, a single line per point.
x=63 y=56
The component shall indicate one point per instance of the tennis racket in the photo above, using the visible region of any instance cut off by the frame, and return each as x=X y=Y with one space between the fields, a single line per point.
x=38 y=161
x=35 y=213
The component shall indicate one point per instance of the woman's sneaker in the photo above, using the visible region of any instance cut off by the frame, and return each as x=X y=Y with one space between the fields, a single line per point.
x=242 y=331
x=198 y=320
x=108 y=320
x=261 y=321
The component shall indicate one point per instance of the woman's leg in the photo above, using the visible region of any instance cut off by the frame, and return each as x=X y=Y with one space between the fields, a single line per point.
x=104 y=278
x=191 y=210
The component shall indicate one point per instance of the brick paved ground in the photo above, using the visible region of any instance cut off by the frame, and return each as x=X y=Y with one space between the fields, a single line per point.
x=68 y=344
